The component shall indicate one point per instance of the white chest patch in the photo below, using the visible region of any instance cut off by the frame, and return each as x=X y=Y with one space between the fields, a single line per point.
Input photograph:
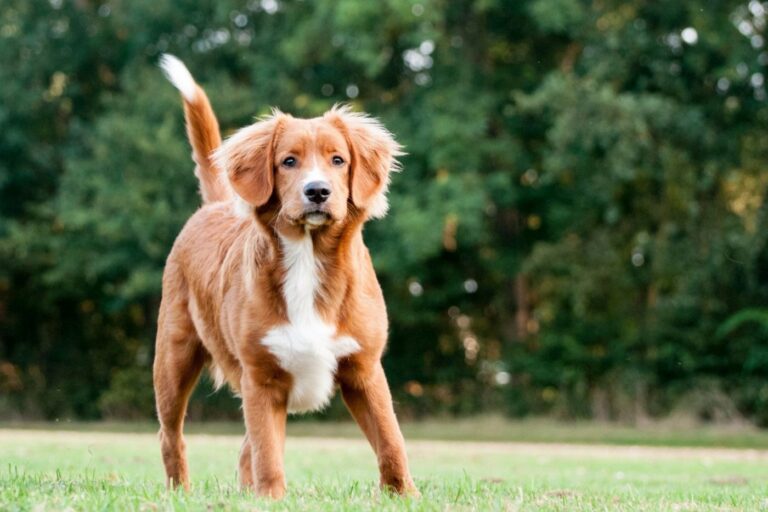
x=306 y=347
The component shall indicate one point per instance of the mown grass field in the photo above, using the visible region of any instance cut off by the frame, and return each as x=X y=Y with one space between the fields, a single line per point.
x=97 y=470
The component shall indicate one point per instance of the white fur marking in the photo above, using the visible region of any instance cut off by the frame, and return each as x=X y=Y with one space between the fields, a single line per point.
x=306 y=347
x=218 y=377
x=178 y=74
x=241 y=207
x=316 y=174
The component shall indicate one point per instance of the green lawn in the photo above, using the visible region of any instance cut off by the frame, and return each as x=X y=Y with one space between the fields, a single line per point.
x=479 y=428
x=66 y=470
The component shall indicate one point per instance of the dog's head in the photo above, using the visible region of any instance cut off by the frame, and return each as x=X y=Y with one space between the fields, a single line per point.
x=309 y=173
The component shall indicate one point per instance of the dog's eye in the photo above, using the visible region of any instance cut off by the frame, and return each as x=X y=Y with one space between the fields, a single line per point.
x=337 y=160
x=289 y=162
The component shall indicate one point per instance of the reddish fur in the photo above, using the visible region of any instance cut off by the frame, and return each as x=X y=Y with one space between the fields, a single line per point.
x=203 y=133
x=371 y=156
x=249 y=166
x=222 y=287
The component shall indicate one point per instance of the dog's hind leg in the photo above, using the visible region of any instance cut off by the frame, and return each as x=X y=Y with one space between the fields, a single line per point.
x=245 y=466
x=179 y=359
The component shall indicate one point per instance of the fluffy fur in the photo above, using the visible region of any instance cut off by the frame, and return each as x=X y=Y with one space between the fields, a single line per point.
x=178 y=74
x=276 y=292
x=306 y=346
x=202 y=129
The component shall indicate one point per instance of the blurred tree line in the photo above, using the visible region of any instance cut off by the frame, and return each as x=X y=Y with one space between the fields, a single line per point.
x=580 y=229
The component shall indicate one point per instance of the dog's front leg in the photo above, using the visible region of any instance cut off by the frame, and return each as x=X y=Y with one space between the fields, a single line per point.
x=368 y=399
x=265 y=411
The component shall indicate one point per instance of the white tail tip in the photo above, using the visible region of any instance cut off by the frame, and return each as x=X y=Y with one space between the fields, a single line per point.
x=178 y=74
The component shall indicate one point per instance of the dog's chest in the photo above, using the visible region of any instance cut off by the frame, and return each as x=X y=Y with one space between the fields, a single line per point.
x=306 y=347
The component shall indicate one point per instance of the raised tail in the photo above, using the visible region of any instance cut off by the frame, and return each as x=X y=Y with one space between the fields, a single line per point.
x=202 y=129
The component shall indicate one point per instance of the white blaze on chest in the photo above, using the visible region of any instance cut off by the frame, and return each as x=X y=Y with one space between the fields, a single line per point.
x=306 y=347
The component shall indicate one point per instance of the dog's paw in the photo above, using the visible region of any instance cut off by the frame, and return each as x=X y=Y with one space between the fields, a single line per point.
x=271 y=489
x=401 y=486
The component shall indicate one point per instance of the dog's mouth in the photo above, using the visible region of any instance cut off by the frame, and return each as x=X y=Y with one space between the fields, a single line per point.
x=315 y=219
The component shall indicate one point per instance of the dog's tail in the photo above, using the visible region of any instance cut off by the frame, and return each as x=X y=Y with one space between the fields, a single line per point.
x=202 y=129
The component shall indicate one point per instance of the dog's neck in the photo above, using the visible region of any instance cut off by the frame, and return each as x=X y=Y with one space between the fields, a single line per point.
x=302 y=275
x=316 y=269
x=312 y=268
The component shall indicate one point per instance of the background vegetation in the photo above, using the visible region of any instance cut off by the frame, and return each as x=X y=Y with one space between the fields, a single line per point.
x=580 y=228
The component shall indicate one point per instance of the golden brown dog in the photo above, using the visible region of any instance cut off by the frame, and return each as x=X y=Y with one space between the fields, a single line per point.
x=270 y=284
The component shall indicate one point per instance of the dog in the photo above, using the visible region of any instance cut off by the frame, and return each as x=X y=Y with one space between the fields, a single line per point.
x=270 y=285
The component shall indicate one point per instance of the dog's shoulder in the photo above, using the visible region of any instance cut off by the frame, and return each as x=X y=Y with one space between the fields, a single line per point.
x=215 y=221
x=216 y=233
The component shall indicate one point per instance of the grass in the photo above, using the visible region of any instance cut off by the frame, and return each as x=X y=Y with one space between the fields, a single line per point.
x=680 y=432
x=90 y=470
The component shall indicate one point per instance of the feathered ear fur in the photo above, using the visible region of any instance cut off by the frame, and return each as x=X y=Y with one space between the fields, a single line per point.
x=374 y=155
x=248 y=159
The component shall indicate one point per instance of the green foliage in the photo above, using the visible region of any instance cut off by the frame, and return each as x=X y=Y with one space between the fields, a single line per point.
x=560 y=16
x=580 y=227
x=743 y=318
x=126 y=396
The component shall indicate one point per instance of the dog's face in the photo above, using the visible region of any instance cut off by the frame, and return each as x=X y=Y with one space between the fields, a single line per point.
x=312 y=171
x=311 y=167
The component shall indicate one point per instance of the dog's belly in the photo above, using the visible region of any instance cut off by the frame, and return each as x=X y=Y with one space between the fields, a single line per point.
x=310 y=353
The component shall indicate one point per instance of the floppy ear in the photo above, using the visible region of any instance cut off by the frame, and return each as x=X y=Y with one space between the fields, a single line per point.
x=374 y=155
x=248 y=159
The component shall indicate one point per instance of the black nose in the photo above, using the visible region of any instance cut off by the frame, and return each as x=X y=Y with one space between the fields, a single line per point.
x=317 y=191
